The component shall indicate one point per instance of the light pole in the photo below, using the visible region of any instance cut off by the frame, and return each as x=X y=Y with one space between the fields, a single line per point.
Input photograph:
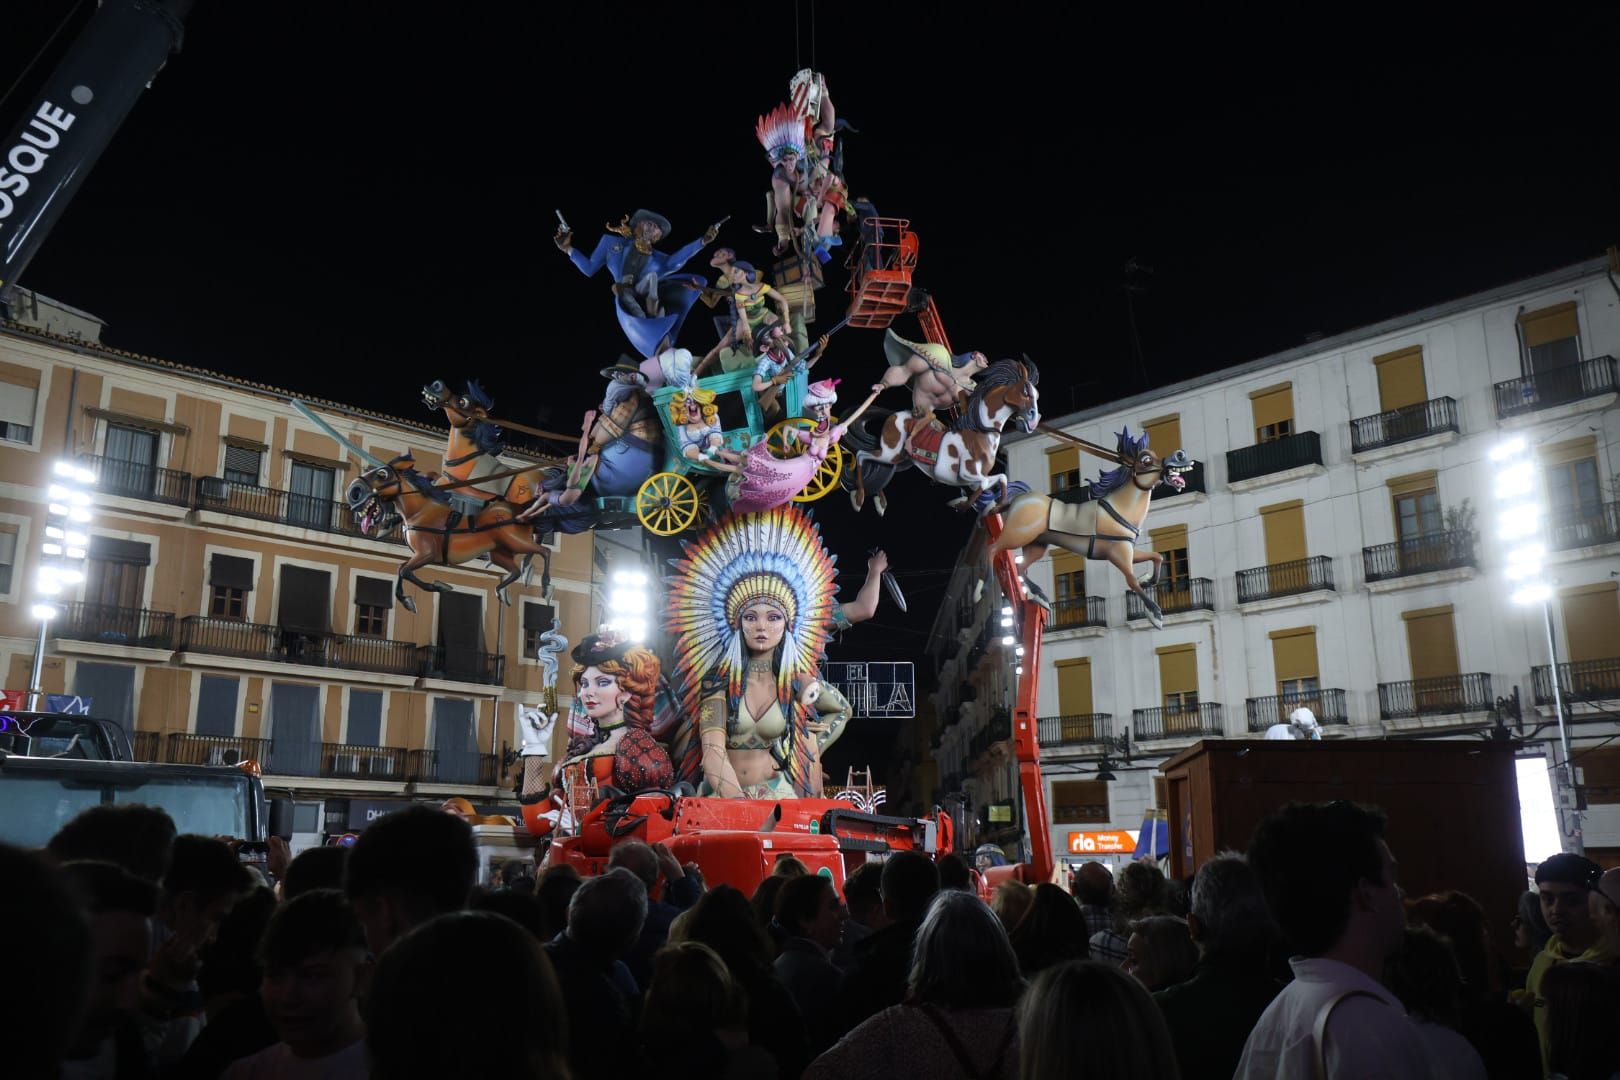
x=62 y=556
x=1519 y=525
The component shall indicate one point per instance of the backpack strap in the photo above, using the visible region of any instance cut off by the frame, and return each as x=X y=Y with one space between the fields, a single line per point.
x=960 y=1052
x=1319 y=1029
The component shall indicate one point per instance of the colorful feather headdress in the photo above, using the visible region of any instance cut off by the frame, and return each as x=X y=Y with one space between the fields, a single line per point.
x=782 y=130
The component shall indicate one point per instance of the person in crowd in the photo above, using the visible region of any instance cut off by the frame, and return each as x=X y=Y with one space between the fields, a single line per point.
x=679 y=891
x=314 y=959
x=1604 y=905
x=788 y=864
x=1563 y=885
x=954 y=873
x=883 y=961
x=42 y=1009
x=518 y=875
x=1583 y=1040
x=1010 y=901
x=1329 y=880
x=957 y=1020
x=863 y=901
x=723 y=920
x=314 y=868
x=1094 y=888
x=694 y=1024
x=406 y=868
x=1051 y=932
x=812 y=921
x=1424 y=974
x=1160 y=952
x=203 y=882
x=1086 y=1020
x=521 y=907
x=1141 y=893
x=763 y=904
x=467 y=996
x=1530 y=930
x=138 y=838
x=604 y=922
x=109 y=1043
x=1211 y=1014
x=1500 y=1031
x=555 y=890
x=229 y=980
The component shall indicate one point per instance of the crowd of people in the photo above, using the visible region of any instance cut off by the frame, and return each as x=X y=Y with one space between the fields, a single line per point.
x=137 y=953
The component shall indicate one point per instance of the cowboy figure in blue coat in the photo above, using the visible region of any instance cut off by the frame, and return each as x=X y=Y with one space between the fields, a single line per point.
x=652 y=298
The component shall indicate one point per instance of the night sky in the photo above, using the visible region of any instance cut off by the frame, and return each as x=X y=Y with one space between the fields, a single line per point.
x=352 y=199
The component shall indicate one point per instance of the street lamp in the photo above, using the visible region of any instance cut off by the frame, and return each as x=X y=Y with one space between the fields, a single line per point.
x=628 y=604
x=62 y=555
x=1520 y=513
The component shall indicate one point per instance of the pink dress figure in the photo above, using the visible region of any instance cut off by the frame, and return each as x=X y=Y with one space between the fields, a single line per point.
x=768 y=481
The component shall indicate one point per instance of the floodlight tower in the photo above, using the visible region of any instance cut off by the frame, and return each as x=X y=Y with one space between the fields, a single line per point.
x=62 y=555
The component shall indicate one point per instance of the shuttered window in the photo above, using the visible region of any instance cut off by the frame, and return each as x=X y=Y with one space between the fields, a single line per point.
x=1571 y=470
x=1273 y=412
x=8 y=556
x=17 y=411
x=1293 y=657
x=1171 y=542
x=1079 y=802
x=1431 y=641
x=216 y=705
x=1068 y=575
x=1063 y=466
x=372 y=599
x=1400 y=378
x=365 y=718
x=1591 y=621
x=1551 y=337
x=1074 y=687
x=1164 y=434
x=537 y=619
x=1178 y=676
x=1284 y=525
x=1417 y=505
x=242 y=465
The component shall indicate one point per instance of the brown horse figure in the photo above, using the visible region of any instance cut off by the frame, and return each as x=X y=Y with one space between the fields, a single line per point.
x=475 y=444
x=1105 y=527
x=963 y=454
x=438 y=534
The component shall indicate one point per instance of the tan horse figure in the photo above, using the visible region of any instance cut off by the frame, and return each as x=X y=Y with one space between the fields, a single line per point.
x=440 y=535
x=962 y=454
x=475 y=444
x=1106 y=527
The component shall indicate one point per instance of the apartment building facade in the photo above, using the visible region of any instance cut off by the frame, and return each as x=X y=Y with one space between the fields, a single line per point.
x=1337 y=547
x=232 y=607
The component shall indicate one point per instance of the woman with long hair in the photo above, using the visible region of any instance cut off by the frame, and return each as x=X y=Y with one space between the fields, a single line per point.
x=1086 y=1019
x=1051 y=932
x=615 y=684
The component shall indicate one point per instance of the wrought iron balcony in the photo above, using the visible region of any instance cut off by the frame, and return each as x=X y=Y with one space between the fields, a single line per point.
x=1579 y=680
x=1277 y=455
x=138 y=480
x=1558 y=386
x=1193 y=478
x=348 y=761
x=1081 y=729
x=1079 y=611
x=1403 y=425
x=1435 y=697
x=112 y=625
x=450 y=767
x=1447 y=550
x=146 y=745
x=187 y=749
x=285 y=508
x=1326 y=705
x=1587 y=525
x=461 y=665
x=257 y=641
x=1173 y=597
x=1205 y=719
x=1285 y=579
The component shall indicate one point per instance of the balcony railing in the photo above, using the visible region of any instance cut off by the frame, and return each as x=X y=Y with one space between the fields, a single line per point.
x=231 y=637
x=1082 y=729
x=1558 y=386
x=185 y=749
x=1403 y=425
x=1326 y=705
x=347 y=761
x=1204 y=719
x=146 y=745
x=111 y=625
x=450 y=767
x=1079 y=611
x=138 y=480
x=1419 y=555
x=1431 y=697
x=461 y=665
x=257 y=641
x=1193 y=477
x=1285 y=579
x=1587 y=525
x=1188 y=594
x=284 y=508
x=1579 y=680
x=1261 y=459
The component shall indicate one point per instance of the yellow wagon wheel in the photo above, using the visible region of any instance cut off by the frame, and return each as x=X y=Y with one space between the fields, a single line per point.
x=667 y=503
x=776 y=438
x=826 y=477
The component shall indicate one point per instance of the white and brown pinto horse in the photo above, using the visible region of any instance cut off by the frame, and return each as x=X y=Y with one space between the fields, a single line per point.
x=1105 y=527
x=962 y=454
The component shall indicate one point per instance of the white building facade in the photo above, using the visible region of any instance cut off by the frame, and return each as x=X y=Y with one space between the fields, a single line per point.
x=1338 y=548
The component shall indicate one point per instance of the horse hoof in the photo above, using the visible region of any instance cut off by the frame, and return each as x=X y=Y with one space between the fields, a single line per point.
x=506 y=601
x=407 y=603
x=1156 y=620
x=443 y=587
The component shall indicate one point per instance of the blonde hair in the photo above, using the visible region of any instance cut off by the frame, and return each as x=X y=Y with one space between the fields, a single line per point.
x=705 y=400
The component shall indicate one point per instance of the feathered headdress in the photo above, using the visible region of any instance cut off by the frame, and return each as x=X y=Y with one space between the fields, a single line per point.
x=782 y=130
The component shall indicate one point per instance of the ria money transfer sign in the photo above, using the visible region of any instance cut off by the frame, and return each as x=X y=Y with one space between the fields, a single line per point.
x=1108 y=842
x=881 y=689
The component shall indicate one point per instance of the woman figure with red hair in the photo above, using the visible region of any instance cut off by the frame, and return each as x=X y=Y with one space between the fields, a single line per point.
x=615 y=684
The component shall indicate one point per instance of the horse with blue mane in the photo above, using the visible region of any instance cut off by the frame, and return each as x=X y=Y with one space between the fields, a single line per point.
x=475 y=447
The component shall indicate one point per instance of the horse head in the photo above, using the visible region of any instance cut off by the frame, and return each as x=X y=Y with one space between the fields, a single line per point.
x=471 y=407
x=1006 y=391
x=1148 y=470
x=370 y=494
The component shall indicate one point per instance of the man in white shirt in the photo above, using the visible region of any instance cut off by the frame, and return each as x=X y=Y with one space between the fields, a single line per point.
x=1329 y=880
